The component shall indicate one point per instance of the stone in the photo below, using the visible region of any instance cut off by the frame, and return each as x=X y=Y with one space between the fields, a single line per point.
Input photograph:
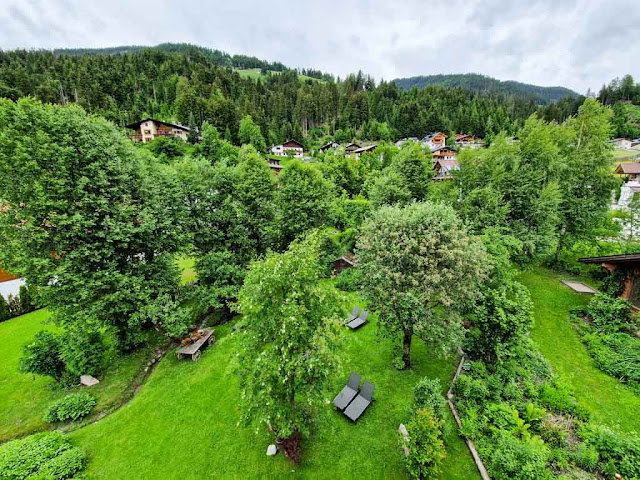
x=405 y=438
x=272 y=450
x=88 y=380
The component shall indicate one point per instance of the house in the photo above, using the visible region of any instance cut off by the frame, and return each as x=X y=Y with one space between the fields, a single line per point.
x=275 y=166
x=10 y=284
x=444 y=153
x=434 y=140
x=328 y=146
x=621 y=143
x=635 y=144
x=629 y=265
x=632 y=183
x=348 y=260
x=351 y=147
x=359 y=151
x=402 y=141
x=444 y=169
x=468 y=141
x=149 y=128
x=288 y=148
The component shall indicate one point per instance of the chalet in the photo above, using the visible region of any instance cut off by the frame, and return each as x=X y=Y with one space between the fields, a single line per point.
x=149 y=128
x=621 y=143
x=468 y=141
x=348 y=260
x=434 y=140
x=288 y=148
x=10 y=284
x=328 y=146
x=359 y=151
x=444 y=153
x=631 y=172
x=629 y=265
x=275 y=166
x=445 y=168
x=351 y=147
x=402 y=141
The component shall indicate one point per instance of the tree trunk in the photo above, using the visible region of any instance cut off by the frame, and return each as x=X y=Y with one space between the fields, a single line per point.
x=406 y=349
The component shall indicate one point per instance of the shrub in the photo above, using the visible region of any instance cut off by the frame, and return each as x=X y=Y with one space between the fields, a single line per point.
x=47 y=455
x=618 y=453
x=558 y=399
x=397 y=361
x=426 y=450
x=43 y=356
x=471 y=389
x=83 y=352
x=428 y=394
x=5 y=314
x=512 y=459
x=586 y=457
x=618 y=355
x=349 y=279
x=70 y=407
x=26 y=302
x=608 y=313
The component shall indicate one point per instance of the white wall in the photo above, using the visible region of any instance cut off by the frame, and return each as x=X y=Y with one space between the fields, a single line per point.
x=11 y=287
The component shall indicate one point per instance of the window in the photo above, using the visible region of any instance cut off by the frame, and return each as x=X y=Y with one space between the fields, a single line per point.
x=147 y=132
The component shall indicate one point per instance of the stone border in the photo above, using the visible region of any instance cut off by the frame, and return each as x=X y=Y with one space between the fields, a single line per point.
x=454 y=410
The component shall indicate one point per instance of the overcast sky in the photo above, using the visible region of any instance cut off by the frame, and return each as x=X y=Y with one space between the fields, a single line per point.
x=573 y=43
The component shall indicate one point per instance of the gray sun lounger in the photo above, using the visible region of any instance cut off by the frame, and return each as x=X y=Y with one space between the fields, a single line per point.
x=358 y=322
x=354 y=314
x=361 y=402
x=348 y=393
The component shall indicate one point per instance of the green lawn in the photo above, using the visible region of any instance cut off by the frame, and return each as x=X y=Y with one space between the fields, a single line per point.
x=184 y=422
x=605 y=397
x=187 y=266
x=256 y=73
x=24 y=397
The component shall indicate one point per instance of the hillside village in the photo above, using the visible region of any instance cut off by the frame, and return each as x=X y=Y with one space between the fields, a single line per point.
x=209 y=273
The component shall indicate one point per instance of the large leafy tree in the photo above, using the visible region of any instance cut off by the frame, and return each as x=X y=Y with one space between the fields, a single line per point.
x=87 y=218
x=419 y=269
x=303 y=200
x=249 y=134
x=291 y=323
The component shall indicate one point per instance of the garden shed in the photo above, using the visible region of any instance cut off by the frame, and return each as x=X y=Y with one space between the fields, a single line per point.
x=627 y=267
x=348 y=260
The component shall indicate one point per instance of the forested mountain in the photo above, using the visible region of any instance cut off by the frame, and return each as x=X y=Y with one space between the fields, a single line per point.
x=482 y=83
x=192 y=85
x=624 y=96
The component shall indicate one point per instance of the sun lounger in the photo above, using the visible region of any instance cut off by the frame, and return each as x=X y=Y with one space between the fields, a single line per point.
x=358 y=322
x=354 y=314
x=348 y=393
x=358 y=406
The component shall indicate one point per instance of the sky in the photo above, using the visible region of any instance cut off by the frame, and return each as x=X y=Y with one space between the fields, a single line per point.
x=578 y=44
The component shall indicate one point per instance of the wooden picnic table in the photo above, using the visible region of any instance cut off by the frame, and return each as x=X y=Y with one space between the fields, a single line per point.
x=194 y=348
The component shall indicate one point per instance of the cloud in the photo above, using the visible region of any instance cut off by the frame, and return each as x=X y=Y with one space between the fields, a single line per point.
x=574 y=43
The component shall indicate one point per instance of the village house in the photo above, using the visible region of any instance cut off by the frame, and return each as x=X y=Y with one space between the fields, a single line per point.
x=351 y=147
x=464 y=140
x=434 y=140
x=444 y=153
x=328 y=146
x=275 y=166
x=631 y=171
x=402 y=141
x=622 y=143
x=359 y=151
x=629 y=265
x=10 y=284
x=288 y=148
x=149 y=128
x=444 y=169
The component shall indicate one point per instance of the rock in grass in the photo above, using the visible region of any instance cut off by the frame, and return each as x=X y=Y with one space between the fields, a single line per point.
x=272 y=450
x=88 y=380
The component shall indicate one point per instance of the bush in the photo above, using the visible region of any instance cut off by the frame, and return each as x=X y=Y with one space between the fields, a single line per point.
x=349 y=280
x=5 y=314
x=609 y=314
x=512 y=459
x=558 y=399
x=26 y=302
x=426 y=450
x=82 y=352
x=618 y=355
x=471 y=389
x=47 y=455
x=586 y=457
x=428 y=394
x=618 y=453
x=70 y=407
x=43 y=356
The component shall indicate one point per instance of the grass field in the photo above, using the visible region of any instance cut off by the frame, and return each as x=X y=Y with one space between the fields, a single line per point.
x=605 y=397
x=24 y=397
x=184 y=422
x=187 y=266
x=256 y=73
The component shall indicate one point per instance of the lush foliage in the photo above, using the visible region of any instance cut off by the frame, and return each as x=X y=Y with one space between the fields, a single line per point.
x=426 y=449
x=70 y=407
x=419 y=269
x=428 y=394
x=17 y=305
x=288 y=350
x=43 y=356
x=43 y=455
x=608 y=314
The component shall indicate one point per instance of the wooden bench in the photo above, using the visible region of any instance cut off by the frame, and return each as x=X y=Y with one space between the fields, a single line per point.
x=193 y=349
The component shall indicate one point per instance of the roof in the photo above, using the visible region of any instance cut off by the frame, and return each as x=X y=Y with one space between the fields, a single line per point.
x=628 y=168
x=288 y=142
x=615 y=259
x=348 y=257
x=351 y=145
x=444 y=148
x=448 y=164
x=431 y=135
x=327 y=145
x=365 y=149
x=135 y=125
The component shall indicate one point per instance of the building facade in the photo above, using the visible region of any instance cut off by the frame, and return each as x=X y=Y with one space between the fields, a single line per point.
x=288 y=148
x=149 y=129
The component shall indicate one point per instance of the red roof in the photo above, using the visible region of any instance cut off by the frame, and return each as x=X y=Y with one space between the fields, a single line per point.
x=292 y=144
